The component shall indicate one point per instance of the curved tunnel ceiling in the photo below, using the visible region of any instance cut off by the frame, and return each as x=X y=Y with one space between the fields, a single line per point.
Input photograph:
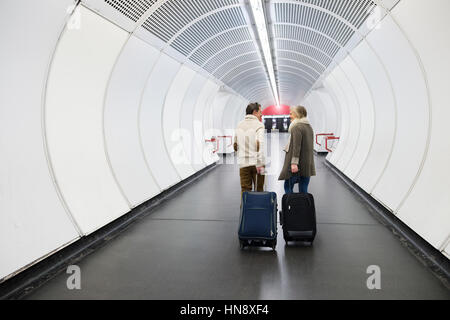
x=219 y=36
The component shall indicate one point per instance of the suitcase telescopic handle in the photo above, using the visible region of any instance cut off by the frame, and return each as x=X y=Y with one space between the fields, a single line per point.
x=256 y=185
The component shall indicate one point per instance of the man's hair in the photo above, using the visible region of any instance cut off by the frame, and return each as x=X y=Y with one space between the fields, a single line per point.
x=252 y=107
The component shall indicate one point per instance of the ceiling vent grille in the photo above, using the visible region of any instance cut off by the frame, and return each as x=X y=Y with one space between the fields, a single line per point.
x=133 y=9
x=225 y=40
x=259 y=93
x=252 y=78
x=314 y=65
x=312 y=74
x=315 y=19
x=216 y=35
x=304 y=49
x=235 y=62
x=354 y=11
x=306 y=36
x=312 y=32
x=174 y=15
x=289 y=77
x=300 y=74
x=253 y=84
x=229 y=53
x=207 y=28
x=234 y=72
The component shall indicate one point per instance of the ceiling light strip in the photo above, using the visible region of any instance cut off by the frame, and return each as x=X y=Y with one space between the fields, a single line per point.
x=261 y=26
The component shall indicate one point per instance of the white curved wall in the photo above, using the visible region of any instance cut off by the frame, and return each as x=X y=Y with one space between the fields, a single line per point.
x=77 y=83
x=366 y=126
x=340 y=101
x=220 y=103
x=33 y=220
x=412 y=113
x=385 y=117
x=171 y=122
x=229 y=114
x=431 y=219
x=208 y=91
x=396 y=79
x=235 y=113
x=316 y=114
x=151 y=115
x=330 y=112
x=208 y=125
x=322 y=115
x=187 y=122
x=86 y=116
x=121 y=121
x=353 y=116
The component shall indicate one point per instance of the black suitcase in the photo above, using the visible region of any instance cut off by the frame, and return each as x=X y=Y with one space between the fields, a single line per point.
x=298 y=217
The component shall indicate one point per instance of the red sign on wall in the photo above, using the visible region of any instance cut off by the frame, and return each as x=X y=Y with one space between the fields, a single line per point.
x=276 y=110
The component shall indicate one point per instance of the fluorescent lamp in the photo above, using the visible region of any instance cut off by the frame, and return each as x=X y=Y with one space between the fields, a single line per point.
x=261 y=26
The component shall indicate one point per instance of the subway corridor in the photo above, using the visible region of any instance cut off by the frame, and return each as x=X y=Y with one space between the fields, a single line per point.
x=188 y=249
x=117 y=120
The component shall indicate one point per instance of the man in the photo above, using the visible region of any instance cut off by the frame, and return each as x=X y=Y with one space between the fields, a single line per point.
x=249 y=143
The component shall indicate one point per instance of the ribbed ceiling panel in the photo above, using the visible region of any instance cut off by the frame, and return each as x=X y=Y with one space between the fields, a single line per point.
x=174 y=15
x=299 y=47
x=354 y=11
x=314 y=39
x=313 y=64
x=208 y=27
x=248 y=80
x=314 y=19
x=312 y=32
x=240 y=70
x=292 y=70
x=293 y=63
x=221 y=57
x=253 y=77
x=258 y=94
x=217 y=35
x=221 y=71
x=224 y=40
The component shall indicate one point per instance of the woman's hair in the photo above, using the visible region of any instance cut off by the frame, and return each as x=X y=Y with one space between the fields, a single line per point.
x=300 y=111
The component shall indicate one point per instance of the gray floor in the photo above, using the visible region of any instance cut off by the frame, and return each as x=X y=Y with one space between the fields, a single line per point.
x=188 y=249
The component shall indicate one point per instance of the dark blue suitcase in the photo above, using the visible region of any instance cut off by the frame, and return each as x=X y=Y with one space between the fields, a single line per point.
x=258 y=220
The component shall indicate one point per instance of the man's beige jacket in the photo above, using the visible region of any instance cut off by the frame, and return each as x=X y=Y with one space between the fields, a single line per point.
x=249 y=142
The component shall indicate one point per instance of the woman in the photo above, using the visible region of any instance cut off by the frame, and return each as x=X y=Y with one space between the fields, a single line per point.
x=299 y=159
